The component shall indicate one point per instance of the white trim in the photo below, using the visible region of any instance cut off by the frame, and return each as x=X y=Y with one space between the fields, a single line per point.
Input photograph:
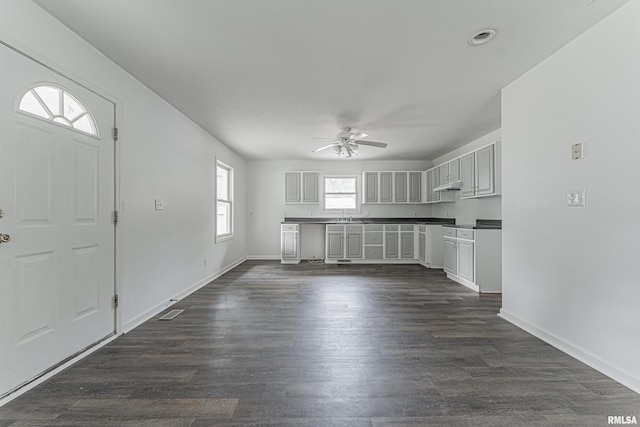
x=576 y=352
x=22 y=390
x=154 y=311
x=464 y=282
x=263 y=257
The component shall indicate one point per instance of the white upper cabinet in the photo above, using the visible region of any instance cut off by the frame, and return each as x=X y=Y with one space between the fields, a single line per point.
x=400 y=187
x=485 y=171
x=393 y=187
x=386 y=187
x=301 y=187
x=479 y=172
x=468 y=175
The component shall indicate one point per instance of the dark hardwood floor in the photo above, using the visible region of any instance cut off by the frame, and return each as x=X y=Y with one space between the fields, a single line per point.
x=327 y=345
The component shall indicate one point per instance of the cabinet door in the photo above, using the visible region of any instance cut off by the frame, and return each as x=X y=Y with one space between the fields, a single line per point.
x=422 y=247
x=454 y=170
x=450 y=256
x=289 y=245
x=391 y=245
x=335 y=244
x=465 y=260
x=386 y=187
x=370 y=187
x=432 y=196
x=406 y=245
x=354 y=245
x=485 y=170
x=292 y=187
x=443 y=173
x=310 y=187
x=415 y=187
x=400 y=187
x=467 y=175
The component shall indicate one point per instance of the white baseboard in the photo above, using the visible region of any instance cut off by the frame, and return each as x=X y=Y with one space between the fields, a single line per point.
x=263 y=257
x=582 y=355
x=36 y=382
x=154 y=311
x=463 y=282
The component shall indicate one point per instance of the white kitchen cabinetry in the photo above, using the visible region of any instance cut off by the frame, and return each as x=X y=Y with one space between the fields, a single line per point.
x=407 y=242
x=373 y=241
x=474 y=258
x=433 y=179
x=301 y=187
x=430 y=248
x=289 y=244
x=400 y=187
x=479 y=173
x=344 y=242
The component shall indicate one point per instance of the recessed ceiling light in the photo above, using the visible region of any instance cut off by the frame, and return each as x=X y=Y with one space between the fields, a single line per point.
x=481 y=37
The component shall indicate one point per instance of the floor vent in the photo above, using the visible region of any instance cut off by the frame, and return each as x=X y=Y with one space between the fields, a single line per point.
x=171 y=315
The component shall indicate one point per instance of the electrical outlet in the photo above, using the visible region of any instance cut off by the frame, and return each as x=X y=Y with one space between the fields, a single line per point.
x=576 y=151
x=158 y=204
x=575 y=198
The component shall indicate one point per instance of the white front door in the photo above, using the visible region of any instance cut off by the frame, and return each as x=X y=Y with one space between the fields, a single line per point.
x=57 y=198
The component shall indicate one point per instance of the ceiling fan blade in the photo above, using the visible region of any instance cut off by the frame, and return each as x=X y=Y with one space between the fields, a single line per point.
x=358 y=135
x=322 y=148
x=372 y=143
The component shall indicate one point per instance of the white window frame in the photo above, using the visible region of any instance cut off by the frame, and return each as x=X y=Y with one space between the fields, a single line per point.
x=229 y=201
x=356 y=193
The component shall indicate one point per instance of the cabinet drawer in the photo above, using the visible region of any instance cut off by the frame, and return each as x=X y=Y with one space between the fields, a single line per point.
x=451 y=232
x=289 y=227
x=422 y=228
x=353 y=228
x=373 y=238
x=373 y=227
x=390 y=228
x=335 y=227
x=465 y=234
x=373 y=252
x=406 y=228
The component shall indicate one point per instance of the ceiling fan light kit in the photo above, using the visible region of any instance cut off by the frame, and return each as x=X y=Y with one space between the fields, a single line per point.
x=347 y=142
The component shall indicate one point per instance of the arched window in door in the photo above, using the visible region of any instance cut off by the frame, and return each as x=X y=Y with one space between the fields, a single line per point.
x=60 y=106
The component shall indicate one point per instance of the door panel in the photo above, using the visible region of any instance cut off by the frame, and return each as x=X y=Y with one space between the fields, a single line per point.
x=57 y=194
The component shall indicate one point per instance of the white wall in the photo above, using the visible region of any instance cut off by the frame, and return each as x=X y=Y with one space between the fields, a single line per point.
x=266 y=208
x=570 y=274
x=162 y=155
x=466 y=211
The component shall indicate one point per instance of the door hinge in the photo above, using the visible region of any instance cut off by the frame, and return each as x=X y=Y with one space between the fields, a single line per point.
x=115 y=301
x=115 y=133
x=114 y=216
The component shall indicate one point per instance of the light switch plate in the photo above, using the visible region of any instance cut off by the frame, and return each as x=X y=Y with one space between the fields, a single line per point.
x=576 y=151
x=575 y=198
x=158 y=204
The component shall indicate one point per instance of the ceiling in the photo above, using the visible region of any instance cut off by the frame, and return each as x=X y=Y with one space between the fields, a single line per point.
x=265 y=76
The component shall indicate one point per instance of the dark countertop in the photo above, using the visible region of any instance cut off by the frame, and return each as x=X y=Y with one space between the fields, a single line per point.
x=481 y=224
x=369 y=220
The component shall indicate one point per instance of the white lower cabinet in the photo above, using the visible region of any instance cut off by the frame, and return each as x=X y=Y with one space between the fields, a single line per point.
x=289 y=244
x=474 y=258
x=344 y=242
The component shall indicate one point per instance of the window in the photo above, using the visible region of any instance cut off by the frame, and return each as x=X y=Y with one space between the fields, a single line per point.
x=57 y=105
x=340 y=192
x=224 y=201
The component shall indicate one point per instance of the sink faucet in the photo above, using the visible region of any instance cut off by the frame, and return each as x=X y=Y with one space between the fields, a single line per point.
x=342 y=217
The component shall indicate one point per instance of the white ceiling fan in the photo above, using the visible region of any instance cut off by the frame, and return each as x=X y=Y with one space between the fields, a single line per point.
x=347 y=142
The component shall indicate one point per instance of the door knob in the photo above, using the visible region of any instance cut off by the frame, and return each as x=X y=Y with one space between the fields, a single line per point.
x=5 y=238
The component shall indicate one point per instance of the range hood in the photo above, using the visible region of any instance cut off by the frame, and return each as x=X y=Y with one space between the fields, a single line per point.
x=449 y=186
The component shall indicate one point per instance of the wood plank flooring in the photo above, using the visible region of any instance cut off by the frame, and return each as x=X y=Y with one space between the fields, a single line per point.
x=327 y=345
